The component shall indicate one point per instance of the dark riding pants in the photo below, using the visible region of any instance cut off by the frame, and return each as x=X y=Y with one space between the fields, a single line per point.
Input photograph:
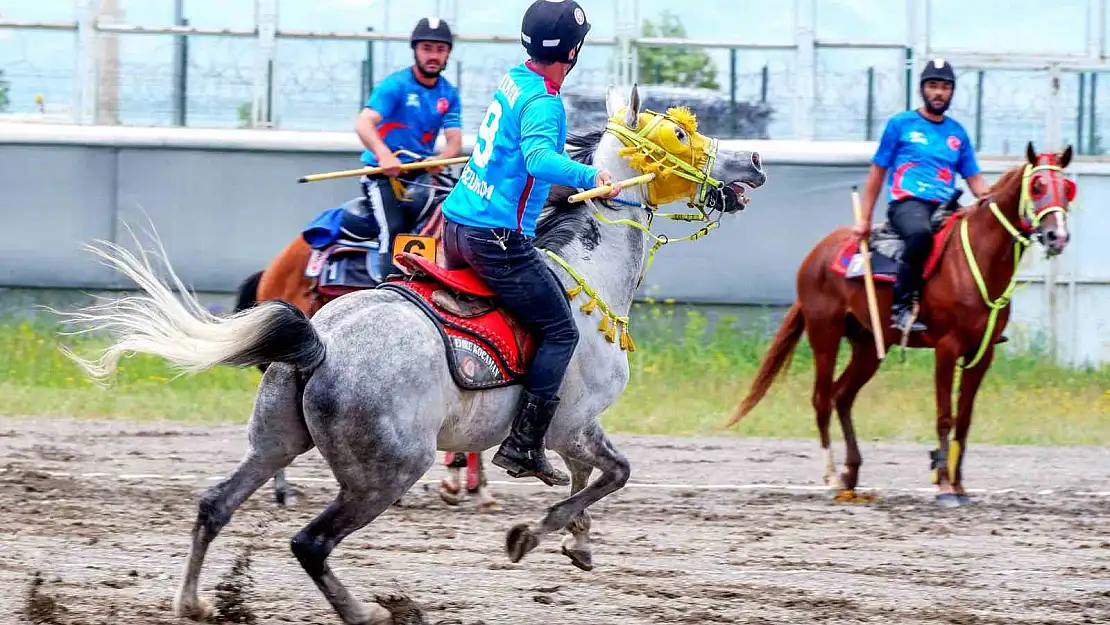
x=527 y=288
x=390 y=216
x=911 y=219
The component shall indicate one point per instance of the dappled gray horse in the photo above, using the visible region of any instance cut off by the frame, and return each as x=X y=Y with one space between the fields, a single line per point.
x=368 y=380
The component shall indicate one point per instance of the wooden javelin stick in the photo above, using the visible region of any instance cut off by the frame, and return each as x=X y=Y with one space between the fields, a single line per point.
x=368 y=171
x=605 y=189
x=869 y=281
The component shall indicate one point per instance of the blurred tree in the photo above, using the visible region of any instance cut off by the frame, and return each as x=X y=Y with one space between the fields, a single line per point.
x=679 y=66
x=4 y=87
x=245 y=115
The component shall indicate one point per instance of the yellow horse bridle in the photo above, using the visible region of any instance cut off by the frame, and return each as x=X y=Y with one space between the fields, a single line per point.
x=648 y=156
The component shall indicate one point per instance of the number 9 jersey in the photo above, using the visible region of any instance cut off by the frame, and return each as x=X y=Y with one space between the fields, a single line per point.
x=517 y=156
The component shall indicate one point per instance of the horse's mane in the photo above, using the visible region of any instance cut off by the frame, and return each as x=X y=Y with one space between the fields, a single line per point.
x=562 y=222
x=1001 y=187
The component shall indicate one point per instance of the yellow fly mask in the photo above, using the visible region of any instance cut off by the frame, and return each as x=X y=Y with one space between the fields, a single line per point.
x=669 y=146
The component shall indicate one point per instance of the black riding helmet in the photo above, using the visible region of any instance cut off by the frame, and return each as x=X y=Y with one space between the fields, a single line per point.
x=554 y=31
x=938 y=69
x=432 y=29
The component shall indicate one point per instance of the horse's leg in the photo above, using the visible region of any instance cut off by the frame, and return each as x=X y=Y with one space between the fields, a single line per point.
x=476 y=482
x=824 y=338
x=450 y=487
x=969 y=387
x=592 y=448
x=576 y=545
x=861 y=368
x=375 y=463
x=946 y=354
x=276 y=435
x=360 y=500
x=281 y=487
x=284 y=279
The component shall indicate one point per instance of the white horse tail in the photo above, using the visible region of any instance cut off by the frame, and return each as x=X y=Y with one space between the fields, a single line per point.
x=184 y=332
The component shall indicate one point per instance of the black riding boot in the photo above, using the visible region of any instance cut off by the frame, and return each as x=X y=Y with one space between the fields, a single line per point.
x=906 y=283
x=900 y=316
x=902 y=308
x=522 y=453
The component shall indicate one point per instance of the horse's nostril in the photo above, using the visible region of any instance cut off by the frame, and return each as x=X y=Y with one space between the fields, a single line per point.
x=1050 y=236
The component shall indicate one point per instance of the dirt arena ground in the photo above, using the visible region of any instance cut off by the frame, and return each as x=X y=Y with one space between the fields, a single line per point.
x=104 y=512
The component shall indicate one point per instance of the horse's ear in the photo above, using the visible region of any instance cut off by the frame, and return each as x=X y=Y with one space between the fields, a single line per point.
x=633 y=115
x=1030 y=153
x=614 y=101
x=1065 y=157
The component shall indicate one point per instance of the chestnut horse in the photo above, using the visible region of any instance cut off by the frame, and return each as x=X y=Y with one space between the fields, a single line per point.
x=965 y=305
x=286 y=279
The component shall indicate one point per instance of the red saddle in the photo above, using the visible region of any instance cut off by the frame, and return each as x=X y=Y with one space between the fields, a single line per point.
x=486 y=346
x=849 y=263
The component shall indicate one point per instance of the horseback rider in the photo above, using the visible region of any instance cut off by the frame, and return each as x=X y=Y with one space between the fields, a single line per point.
x=405 y=113
x=490 y=217
x=921 y=149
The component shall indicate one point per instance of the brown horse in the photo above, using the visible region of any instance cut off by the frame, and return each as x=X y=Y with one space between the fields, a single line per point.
x=287 y=278
x=965 y=305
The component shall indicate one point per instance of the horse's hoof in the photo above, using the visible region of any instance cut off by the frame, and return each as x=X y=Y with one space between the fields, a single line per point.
x=580 y=558
x=519 y=541
x=197 y=610
x=402 y=610
x=449 y=493
x=488 y=507
x=952 y=500
x=848 y=495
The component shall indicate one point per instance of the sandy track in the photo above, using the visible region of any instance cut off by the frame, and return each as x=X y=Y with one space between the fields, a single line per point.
x=1035 y=549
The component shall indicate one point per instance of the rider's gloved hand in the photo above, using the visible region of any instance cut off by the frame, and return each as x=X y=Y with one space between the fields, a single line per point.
x=862 y=230
x=434 y=170
x=390 y=164
x=605 y=178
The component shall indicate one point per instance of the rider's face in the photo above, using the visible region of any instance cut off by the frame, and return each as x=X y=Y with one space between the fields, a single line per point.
x=937 y=93
x=431 y=56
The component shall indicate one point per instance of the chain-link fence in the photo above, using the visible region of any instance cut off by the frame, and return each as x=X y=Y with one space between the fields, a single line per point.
x=319 y=82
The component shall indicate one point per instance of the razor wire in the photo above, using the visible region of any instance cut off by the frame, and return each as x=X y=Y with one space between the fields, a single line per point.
x=321 y=85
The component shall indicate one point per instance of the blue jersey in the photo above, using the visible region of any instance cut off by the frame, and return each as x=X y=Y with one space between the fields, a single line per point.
x=517 y=156
x=412 y=114
x=922 y=157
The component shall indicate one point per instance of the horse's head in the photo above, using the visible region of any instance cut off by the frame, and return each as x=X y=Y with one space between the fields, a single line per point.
x=687 y=164
x=1046 y=196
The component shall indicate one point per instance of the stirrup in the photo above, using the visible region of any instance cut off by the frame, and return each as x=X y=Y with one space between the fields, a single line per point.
x=542 y=469
x=906 y=329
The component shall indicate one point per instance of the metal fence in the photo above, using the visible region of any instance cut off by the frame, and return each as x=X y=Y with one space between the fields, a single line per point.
x=820 y=87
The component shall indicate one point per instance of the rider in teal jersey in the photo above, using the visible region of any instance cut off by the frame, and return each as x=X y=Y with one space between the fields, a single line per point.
x=490 y=217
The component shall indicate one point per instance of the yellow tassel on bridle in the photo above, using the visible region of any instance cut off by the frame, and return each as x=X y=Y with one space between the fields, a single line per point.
x=609 y=321
x=647 y=156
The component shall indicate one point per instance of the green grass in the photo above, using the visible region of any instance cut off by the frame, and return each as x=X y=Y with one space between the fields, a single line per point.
x=688 y=372
x=36 y=378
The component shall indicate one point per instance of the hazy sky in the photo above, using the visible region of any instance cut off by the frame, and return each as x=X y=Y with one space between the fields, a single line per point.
x=313 y=72
x=992 y=25
x=1024 y=26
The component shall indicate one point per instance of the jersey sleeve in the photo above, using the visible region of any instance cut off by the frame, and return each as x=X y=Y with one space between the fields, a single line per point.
x=888 y=144
x=384 y=97
x=540 y=124
x=453 y=117
x=967 y=165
